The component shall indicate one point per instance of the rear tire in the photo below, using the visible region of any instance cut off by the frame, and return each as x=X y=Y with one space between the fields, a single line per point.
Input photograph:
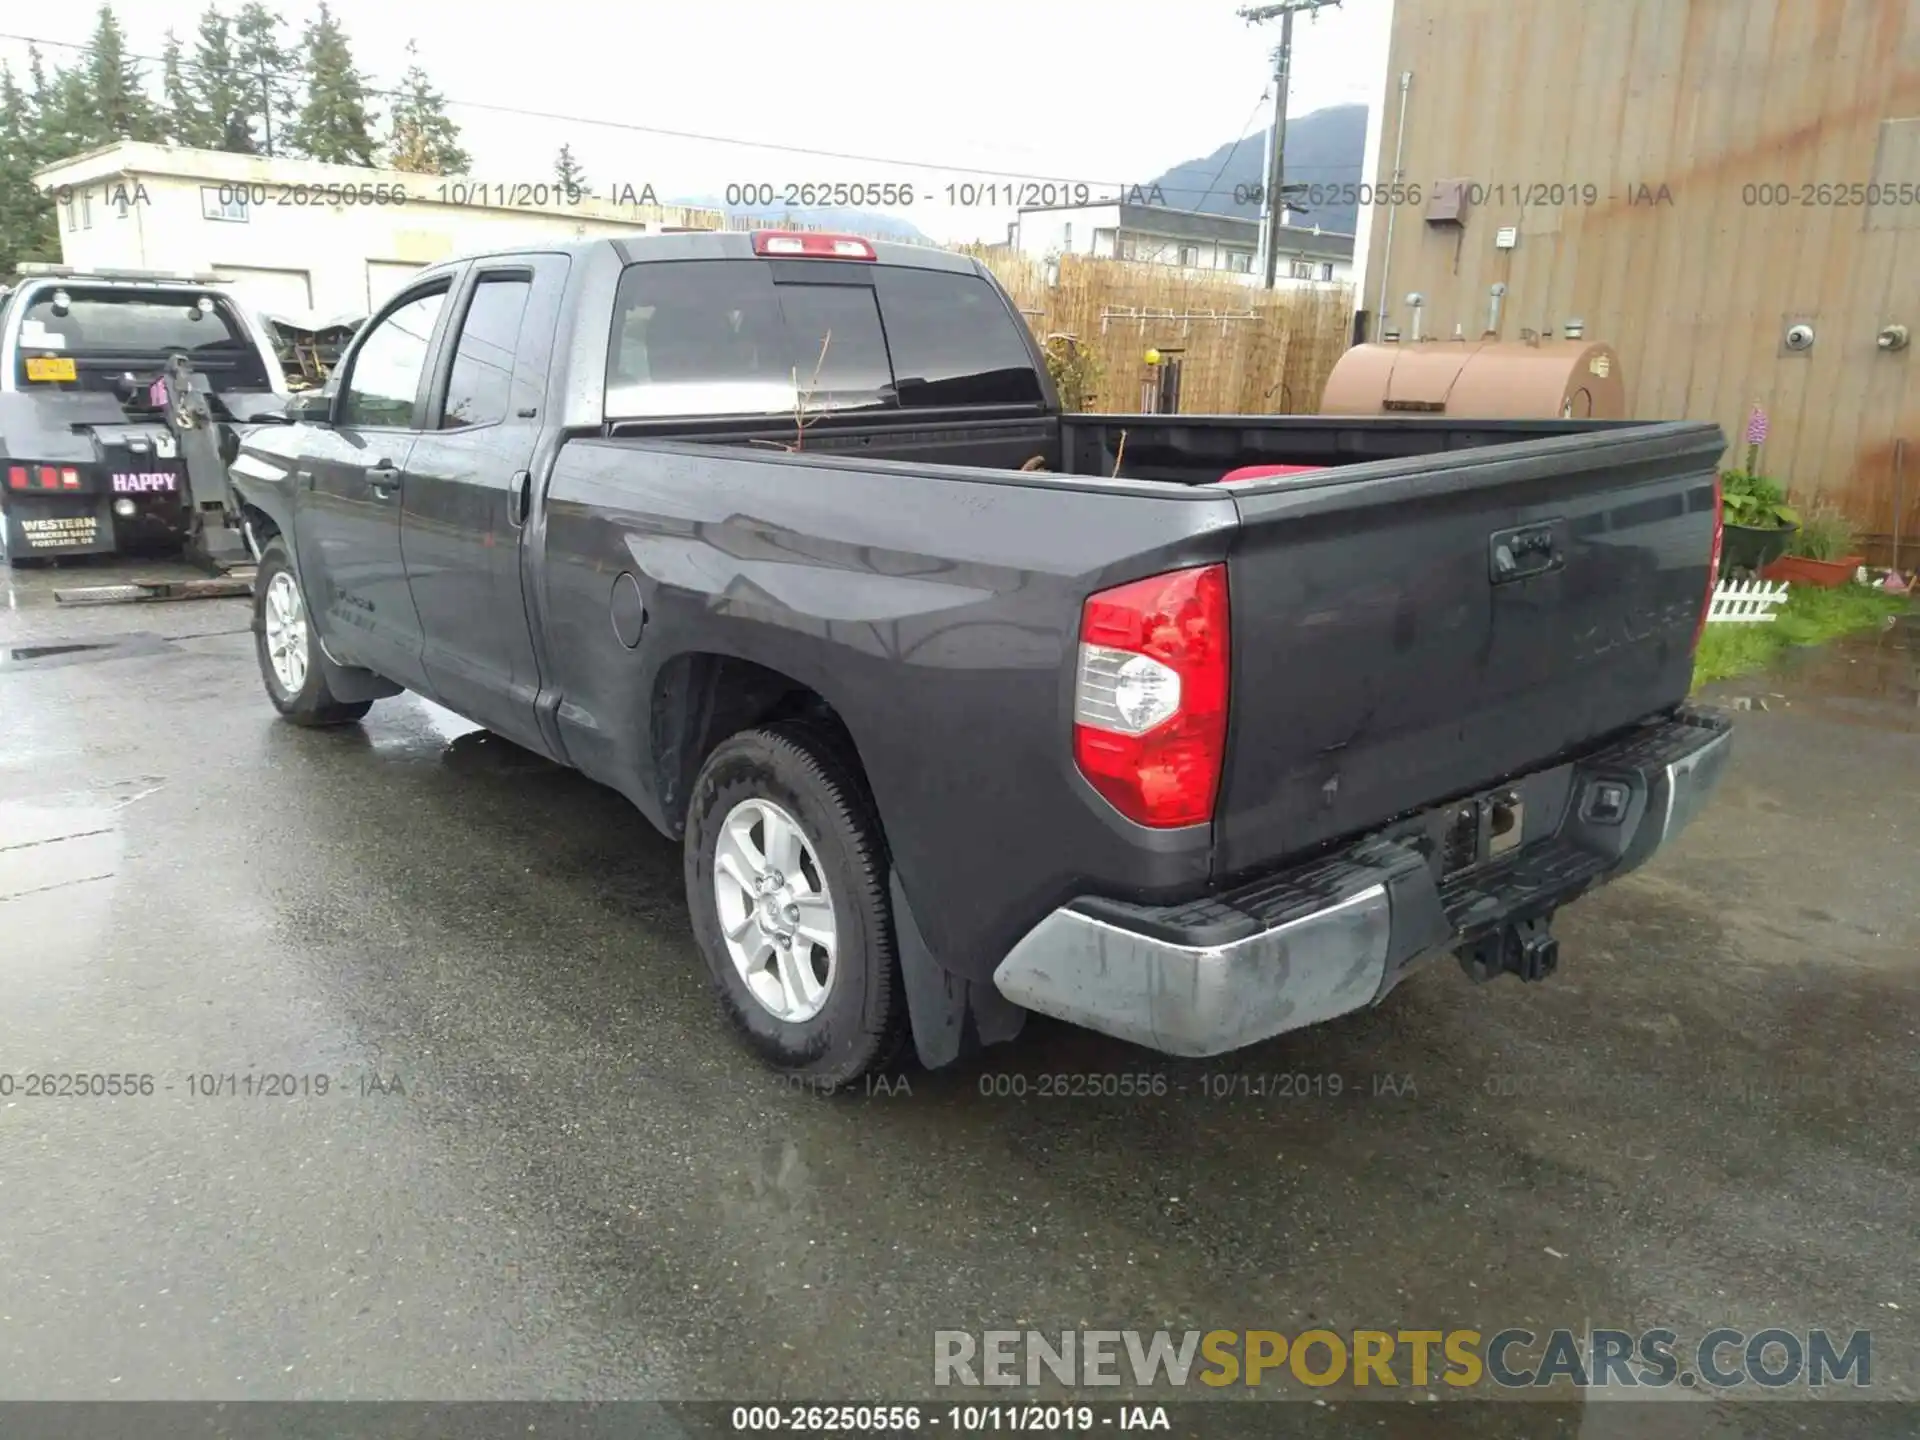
x=784 y=811
x=284 y=641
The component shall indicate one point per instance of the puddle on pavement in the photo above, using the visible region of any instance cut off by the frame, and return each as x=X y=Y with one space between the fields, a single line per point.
x=76 y=652
x=24 y=654
x=1871 y=680
x=419 y=728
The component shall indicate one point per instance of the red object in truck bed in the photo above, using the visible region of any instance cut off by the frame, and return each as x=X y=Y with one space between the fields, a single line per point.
x=1264 y=472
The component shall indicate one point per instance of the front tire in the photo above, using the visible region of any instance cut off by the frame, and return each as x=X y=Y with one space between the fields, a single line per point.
x=786 y=874
x=288 y=649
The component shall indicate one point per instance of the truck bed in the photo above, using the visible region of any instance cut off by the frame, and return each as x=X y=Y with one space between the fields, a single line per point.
x=1375 y=667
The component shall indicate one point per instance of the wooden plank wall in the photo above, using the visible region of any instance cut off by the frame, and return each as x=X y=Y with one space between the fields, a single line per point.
x=1712 y=100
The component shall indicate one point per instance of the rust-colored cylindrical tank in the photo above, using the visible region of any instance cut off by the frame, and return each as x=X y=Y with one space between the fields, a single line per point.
x=1479 y=379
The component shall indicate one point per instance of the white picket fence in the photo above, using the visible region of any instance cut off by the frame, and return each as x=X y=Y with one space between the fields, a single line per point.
x=1745 y=601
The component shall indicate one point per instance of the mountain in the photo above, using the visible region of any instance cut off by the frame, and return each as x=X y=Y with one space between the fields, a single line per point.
x=853 y=222
x=1325 y=148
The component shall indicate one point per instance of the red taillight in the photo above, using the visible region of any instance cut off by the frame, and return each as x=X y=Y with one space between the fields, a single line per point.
x=17 y=477
x=69 y=479
x=1713 y=563
x=1150 y=695
x=811 y=245
x=49 y=478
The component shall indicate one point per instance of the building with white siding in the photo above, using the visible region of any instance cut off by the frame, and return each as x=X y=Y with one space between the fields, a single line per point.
x=1191 y=239
x=300 y=239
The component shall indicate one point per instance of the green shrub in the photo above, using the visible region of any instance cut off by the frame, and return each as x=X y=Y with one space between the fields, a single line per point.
x=1754 y=500
x=1827 y=534
x=1075 y=371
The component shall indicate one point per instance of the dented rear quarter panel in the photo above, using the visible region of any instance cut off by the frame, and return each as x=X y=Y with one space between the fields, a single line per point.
x=936 y=610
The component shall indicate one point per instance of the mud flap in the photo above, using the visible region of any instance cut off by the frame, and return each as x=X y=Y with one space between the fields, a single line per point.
x=350 y=683
x=950 y=1016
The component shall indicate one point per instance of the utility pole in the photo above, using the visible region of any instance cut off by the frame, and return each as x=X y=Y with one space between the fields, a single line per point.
x=266 y=109
x=1272 y=207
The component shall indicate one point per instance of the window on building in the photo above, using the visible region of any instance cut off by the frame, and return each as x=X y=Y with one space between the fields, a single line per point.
x=224 y=202
x=1240 y=261
x=481 y=381
x=1190 y=256
x=1066 y=240
x=73 y=215
x=385 y=377
x=86 y=209
x=1326 y=271
x=1103 y=243
x=1300 y=269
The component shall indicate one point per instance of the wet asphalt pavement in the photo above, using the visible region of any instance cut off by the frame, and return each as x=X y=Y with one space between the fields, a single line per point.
x=542 y=1167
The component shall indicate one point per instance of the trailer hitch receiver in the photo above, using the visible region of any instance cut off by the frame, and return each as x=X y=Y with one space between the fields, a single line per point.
x=1526 y=948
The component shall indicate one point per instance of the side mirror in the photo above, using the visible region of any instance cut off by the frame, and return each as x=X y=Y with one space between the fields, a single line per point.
x=312 y=407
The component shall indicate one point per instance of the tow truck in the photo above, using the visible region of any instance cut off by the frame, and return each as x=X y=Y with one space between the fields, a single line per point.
x=123 y=395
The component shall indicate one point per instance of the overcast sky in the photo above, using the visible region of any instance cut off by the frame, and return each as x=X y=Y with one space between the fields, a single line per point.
x=1074 y=90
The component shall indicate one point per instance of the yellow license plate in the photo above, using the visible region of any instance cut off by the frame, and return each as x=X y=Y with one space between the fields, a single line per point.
x=50 y=367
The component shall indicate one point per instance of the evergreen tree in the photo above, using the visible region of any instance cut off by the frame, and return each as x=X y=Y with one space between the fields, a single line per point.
x=114 y=104
x=422 y=138
x=27 y=225
x=61 y=124
x=220 y=94
x=266 y=75
x=569 y=171
x=335 y=125
x=186 y=122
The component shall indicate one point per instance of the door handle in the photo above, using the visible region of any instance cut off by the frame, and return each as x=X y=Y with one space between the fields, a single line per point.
x=384 y=479
x=517 y=495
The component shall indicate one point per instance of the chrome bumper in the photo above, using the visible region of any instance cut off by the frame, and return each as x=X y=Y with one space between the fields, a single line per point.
x=1295 y=949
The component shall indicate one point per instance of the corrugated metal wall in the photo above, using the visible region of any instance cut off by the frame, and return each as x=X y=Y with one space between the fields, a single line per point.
x=1756 y=116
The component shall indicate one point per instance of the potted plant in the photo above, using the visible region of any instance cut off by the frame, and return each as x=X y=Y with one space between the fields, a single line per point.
x=1759 y=522
x=1753 y=509
x=1820 y=553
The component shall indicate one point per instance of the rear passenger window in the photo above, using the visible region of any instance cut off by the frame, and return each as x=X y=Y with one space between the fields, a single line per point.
x=482 y=378
x=953 y=341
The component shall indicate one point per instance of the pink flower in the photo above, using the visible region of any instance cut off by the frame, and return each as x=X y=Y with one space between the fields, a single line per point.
x=1757 y=427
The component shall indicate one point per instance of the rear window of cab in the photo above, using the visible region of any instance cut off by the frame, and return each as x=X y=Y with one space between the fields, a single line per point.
x=746 y=337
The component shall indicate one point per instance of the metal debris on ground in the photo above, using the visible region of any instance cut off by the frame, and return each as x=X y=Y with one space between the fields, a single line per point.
x=238 y=582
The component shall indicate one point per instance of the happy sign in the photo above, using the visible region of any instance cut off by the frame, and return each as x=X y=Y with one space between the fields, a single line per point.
x=137 y=481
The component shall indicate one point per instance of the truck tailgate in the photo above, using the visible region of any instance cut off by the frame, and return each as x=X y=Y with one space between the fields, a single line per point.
x=1409 y=631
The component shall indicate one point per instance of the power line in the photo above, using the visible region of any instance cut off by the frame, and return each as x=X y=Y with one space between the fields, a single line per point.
x=993 y=173
x=1232 y=150
x=1273 y=204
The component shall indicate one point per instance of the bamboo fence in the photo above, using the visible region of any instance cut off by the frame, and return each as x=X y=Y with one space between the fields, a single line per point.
x=1242 y=350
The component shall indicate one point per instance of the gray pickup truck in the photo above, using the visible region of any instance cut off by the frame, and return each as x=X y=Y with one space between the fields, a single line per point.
x=1191 y=730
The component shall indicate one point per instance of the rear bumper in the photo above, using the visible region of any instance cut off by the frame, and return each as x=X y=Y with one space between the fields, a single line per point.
x=1317 y=941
